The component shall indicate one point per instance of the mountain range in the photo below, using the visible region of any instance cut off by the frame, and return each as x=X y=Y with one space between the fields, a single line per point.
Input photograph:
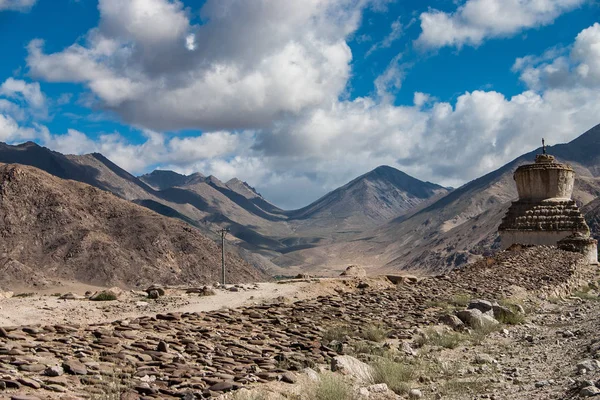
x=384 y=220
x=56 y=230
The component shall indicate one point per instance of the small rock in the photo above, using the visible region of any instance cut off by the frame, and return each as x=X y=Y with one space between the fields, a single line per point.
x=452 y=321
x=74 y=367
x=157 y=288
x=589 y=391
x=56 y=370
x=224 y=386
x=485 y=359
x=163 y=347
x=415 y=394
x=289 y=377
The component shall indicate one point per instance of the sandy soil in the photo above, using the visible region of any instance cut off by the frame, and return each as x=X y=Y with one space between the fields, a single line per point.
x=44 y=307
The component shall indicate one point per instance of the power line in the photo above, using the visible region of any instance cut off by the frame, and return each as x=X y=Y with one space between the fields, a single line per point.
x=223 y=233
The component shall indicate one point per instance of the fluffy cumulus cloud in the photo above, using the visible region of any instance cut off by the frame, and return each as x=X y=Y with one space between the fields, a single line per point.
x=579 y=68
x=247 y=64
x=477 y=20
x=16 y=5
x=265 y=81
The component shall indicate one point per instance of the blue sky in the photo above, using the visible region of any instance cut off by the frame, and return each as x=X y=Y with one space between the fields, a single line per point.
x=297 y=98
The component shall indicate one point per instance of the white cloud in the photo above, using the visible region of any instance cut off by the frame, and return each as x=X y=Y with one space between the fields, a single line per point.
x=251 y=63
x=16 y=5
x=581 y=67
x=396 y=32
x=390 y=81
x=264 y=83
x=26 y=99
x=29 y=92
x=10 y=131
x=477 y=20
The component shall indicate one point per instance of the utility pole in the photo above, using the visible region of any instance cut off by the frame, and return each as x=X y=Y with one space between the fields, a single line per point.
x=223 y=233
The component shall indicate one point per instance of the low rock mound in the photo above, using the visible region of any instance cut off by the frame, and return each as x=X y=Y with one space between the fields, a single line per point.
x=534 y=269
x=354 y=270
x=56 y=229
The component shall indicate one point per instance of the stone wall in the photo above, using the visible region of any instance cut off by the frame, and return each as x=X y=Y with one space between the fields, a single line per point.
x=536 y=238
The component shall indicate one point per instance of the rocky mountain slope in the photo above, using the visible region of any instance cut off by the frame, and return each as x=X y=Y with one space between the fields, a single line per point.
x=56 y=229
x=456 y=229
x=367 y=201
x=260 y=231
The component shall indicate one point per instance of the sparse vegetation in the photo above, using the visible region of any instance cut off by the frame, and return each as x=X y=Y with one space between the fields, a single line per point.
x=25 y=295
x=374 y=333
x=460 y=300
x=447 y=340
x=332 y=387
x=480 y=333
x=367 y=348
x=397 y=374
x=460 y=389
x=587 y=293
x=104 y=296
x=245 y=395
x=336 y=332
x=113 y=388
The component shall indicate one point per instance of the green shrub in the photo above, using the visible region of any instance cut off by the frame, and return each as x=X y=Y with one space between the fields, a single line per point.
x=104 y=296
x=336 y=332
x=374 y=333
x=25 y=295
x=332 y=387
x=396 y=375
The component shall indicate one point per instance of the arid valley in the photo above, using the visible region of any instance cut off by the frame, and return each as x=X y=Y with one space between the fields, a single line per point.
x=299 y=199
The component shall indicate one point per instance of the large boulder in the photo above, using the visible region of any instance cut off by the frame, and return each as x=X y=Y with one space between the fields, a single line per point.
x=354 y=270
x=481 y=305
x=353 y=367
x=476 y=319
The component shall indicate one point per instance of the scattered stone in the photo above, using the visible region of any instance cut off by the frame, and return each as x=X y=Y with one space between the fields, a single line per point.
x=587 y=365
x=485 y=359
x=589 y=391
x=55 y=370
x=415 y=394
x=71 y=296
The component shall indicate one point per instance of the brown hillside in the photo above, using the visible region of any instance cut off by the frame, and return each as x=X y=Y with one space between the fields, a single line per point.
x=55 y=229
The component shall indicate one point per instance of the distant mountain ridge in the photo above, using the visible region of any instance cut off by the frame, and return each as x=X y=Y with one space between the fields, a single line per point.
x=458 y=227
x=256 y=225
x=384 y=220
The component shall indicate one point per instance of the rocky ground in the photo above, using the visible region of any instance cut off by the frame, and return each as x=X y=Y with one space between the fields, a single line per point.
x=378 y=336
